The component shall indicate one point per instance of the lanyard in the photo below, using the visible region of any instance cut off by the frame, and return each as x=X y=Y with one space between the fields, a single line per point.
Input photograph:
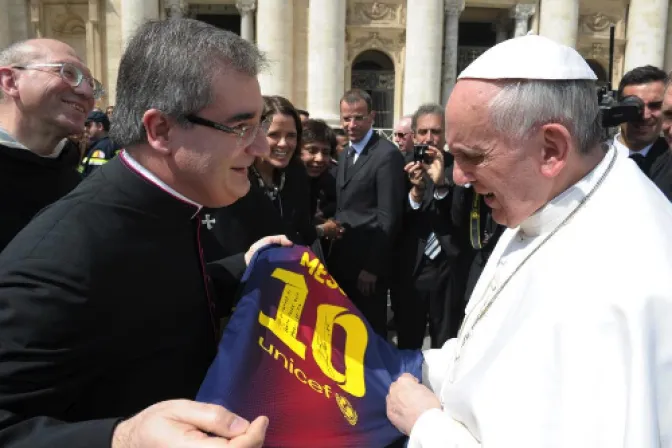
x=475 y=222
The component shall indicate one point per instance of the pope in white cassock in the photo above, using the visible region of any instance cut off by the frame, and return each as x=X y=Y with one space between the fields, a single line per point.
x=567 y=340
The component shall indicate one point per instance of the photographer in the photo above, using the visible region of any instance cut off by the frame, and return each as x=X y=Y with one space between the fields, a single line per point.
x=641 y=140
x=427 y=250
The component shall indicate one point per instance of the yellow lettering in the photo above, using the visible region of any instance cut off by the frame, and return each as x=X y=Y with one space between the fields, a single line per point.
x=316 y=387
x=310 y=264
x=352 y=380
x=320 y=271
x=285 y=324
x=296 y=374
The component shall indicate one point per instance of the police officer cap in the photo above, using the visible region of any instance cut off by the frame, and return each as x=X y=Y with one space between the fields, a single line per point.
x=529 y=57
x=97 y=116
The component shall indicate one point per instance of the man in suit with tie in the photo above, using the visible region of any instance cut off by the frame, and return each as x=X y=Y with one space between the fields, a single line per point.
x=370 y=191
x=641 y=140
x=427 y=246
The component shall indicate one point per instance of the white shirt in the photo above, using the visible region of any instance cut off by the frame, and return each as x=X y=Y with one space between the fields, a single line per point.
x=360 y=145
x=622 y=149
x=576 y=350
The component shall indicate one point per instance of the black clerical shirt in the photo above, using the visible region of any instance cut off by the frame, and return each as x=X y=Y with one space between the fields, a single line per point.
x=104 y=310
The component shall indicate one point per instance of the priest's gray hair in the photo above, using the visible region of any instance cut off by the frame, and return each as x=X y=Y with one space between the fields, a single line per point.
x=523 y=106
x=170 y=66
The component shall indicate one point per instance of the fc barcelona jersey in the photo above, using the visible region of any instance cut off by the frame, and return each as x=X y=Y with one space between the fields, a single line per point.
x=298 y=351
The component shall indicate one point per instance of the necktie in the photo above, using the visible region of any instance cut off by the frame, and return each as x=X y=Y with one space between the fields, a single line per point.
x=432 y=248
x=638 y=159
x=350 y=160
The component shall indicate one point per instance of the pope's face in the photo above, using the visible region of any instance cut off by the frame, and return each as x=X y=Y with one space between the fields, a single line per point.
x=505 y=172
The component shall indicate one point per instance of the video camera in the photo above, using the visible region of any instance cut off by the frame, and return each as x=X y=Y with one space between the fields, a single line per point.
x=630 y=109
x=627 y=110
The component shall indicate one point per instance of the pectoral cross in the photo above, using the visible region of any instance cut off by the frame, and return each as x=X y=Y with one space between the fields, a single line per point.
x=208 y=221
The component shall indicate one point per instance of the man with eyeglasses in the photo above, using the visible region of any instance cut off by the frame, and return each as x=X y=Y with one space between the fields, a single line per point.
x=108 y=323
x=46 y=92
x=403 y=136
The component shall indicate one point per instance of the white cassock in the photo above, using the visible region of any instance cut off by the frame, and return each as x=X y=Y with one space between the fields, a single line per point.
x=576 y=349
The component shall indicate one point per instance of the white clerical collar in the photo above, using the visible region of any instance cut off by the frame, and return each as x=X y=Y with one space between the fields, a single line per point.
x=622 y=149
x=547 y=218
x=151 y=177
x=9 y=140
x=360 y=145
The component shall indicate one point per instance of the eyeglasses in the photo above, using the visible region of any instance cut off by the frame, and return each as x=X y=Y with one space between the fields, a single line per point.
x=401 y=134
x=245 y=133
x=71 y=74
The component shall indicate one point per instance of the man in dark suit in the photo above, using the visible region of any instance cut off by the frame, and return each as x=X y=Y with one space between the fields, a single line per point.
x=370 y=191
x=427 y=249
x=641 y=140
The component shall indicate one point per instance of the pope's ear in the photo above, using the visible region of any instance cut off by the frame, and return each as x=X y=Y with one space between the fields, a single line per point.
x=557 y=143
x=157 y=126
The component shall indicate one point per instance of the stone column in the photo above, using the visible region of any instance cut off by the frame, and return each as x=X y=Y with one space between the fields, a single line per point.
x=646 y=32
x=326 y=59
x=246 y=9
x=275 y=37
x=560 y=21
x=451 y=27
x=521 y=14
x=422 y=77
x=668 y=40
x=133 y=14
x=175 y=8
x=93 y=41
x=5 y=32
x=502 y=29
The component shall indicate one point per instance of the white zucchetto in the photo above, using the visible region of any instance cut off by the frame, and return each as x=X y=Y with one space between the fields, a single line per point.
x=529 y=57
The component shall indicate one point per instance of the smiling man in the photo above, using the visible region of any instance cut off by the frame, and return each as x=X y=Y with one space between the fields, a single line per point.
x=642 y=140
x=107 y=319
x=566 y=340
x=46 y=92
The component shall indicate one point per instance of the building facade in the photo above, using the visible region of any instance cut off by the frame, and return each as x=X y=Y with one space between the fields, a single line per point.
x=404 y=52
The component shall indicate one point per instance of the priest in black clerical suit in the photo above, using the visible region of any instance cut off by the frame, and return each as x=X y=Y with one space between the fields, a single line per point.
x=111 y=276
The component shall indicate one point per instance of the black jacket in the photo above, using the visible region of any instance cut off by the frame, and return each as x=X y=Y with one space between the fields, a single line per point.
x=104 y=310
x=370 y=205
x=28 y=183
x=229 y=232
x=657 y=165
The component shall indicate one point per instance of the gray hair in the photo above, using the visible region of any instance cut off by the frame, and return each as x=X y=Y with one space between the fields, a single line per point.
x=18 y=53
x=426 y=109
x=170 y=66
x=523 y=106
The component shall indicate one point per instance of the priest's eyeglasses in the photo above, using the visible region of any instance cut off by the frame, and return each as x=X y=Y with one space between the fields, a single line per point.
x=245 y=133
x=69 y=73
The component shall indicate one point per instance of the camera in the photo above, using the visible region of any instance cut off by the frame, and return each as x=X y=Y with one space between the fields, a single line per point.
x=629 y=110
x=421 y=155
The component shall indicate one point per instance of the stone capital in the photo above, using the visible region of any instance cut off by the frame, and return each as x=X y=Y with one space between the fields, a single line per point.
x=453 y=7
x=246 y=6
x=522 y=11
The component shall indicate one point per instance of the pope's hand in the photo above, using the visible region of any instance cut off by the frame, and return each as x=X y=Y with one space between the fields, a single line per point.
x=407 y=400
x=265 y=241
x=188 y=424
